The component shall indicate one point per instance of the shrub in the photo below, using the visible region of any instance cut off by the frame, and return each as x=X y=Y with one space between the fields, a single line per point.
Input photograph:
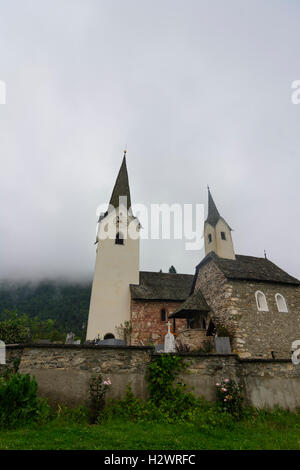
x=229 y=396
x=98 y=389
x=186 y=408
x=19 y=328
x=14 y=330
x=19 y=403
x=169 y=403
x=161 y=374
x=169 y=410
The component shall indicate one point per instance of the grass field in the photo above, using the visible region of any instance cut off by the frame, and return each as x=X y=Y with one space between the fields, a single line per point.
x=282 y=432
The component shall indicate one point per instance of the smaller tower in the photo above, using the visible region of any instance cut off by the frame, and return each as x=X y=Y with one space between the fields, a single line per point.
x=217 y=232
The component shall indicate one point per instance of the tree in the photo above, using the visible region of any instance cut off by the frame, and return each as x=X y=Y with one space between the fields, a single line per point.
x=172 y=270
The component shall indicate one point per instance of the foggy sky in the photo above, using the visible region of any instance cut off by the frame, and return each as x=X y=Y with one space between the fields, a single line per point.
x=199 y=91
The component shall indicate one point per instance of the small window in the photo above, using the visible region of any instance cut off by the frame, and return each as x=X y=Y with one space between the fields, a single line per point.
x=223 y=236
x=163 y=314
x=119 y=239
x=209 y=238
x=261 y=302
x=203 y=322
x=281 y=303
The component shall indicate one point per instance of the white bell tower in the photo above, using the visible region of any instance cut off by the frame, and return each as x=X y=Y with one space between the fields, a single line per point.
x=117 y=263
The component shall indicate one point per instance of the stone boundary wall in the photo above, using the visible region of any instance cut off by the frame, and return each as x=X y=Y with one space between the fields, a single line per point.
x=63 y=372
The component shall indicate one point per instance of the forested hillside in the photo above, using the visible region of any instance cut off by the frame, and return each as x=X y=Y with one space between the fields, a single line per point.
x=65 y=302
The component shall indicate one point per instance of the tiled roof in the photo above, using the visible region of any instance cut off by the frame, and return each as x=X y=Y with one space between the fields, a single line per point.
x=162 y=286
x=194 y=303
x=250 y=268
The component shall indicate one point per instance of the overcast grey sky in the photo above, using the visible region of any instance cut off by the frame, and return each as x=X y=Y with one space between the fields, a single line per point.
x=200 y=91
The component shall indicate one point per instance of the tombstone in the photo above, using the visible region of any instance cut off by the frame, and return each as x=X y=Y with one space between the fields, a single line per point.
x=2 y=353
x=70 y=338
x=169 y=346
x=222 y=345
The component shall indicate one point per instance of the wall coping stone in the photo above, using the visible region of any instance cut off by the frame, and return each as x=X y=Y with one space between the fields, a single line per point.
x=197 y=354
x=264 y=360
x=151 y=350
x=78 y=346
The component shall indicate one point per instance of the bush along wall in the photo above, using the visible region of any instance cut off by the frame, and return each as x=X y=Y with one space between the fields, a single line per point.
x=19 y=403
x=169 y=402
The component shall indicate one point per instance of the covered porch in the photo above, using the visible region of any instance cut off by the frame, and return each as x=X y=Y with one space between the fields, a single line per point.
x=199 y=329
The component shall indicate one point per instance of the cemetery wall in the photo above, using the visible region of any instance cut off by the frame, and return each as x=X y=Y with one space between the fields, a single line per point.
x=13 y=357
x=63 y=373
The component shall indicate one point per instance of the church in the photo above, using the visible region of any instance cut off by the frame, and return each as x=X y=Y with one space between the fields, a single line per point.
x=249 y=299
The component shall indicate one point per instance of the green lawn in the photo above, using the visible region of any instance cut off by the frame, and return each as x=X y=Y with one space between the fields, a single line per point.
x=272 y=433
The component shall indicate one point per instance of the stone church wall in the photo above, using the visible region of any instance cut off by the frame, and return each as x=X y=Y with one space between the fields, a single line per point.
x=260 y=333
x=215 y=288
x=218 y=294
x=63 y=373
x=147 y=326
x=256 y=334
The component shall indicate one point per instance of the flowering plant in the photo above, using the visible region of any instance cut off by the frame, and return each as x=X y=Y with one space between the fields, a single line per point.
x=229 y=395
x=98 y=389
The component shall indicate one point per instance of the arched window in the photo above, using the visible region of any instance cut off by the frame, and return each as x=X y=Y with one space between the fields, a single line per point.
x=109 y=336
x=119 y=239
x=261 y=302
x=163 y=314
x=281 y=303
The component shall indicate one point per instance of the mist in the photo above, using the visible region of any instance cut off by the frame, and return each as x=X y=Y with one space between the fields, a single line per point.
x=199 y=92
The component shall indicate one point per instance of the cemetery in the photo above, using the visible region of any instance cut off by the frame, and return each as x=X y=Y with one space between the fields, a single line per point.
x=128 y=397
x=63 y=371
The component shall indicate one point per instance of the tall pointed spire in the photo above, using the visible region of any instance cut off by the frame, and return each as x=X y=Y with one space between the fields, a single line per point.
x=121 y=187
x=213 y=214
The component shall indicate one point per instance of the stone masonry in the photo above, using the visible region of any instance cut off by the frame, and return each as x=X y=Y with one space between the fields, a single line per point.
x=63 y=373
x=147 y=326
x=256 y=334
